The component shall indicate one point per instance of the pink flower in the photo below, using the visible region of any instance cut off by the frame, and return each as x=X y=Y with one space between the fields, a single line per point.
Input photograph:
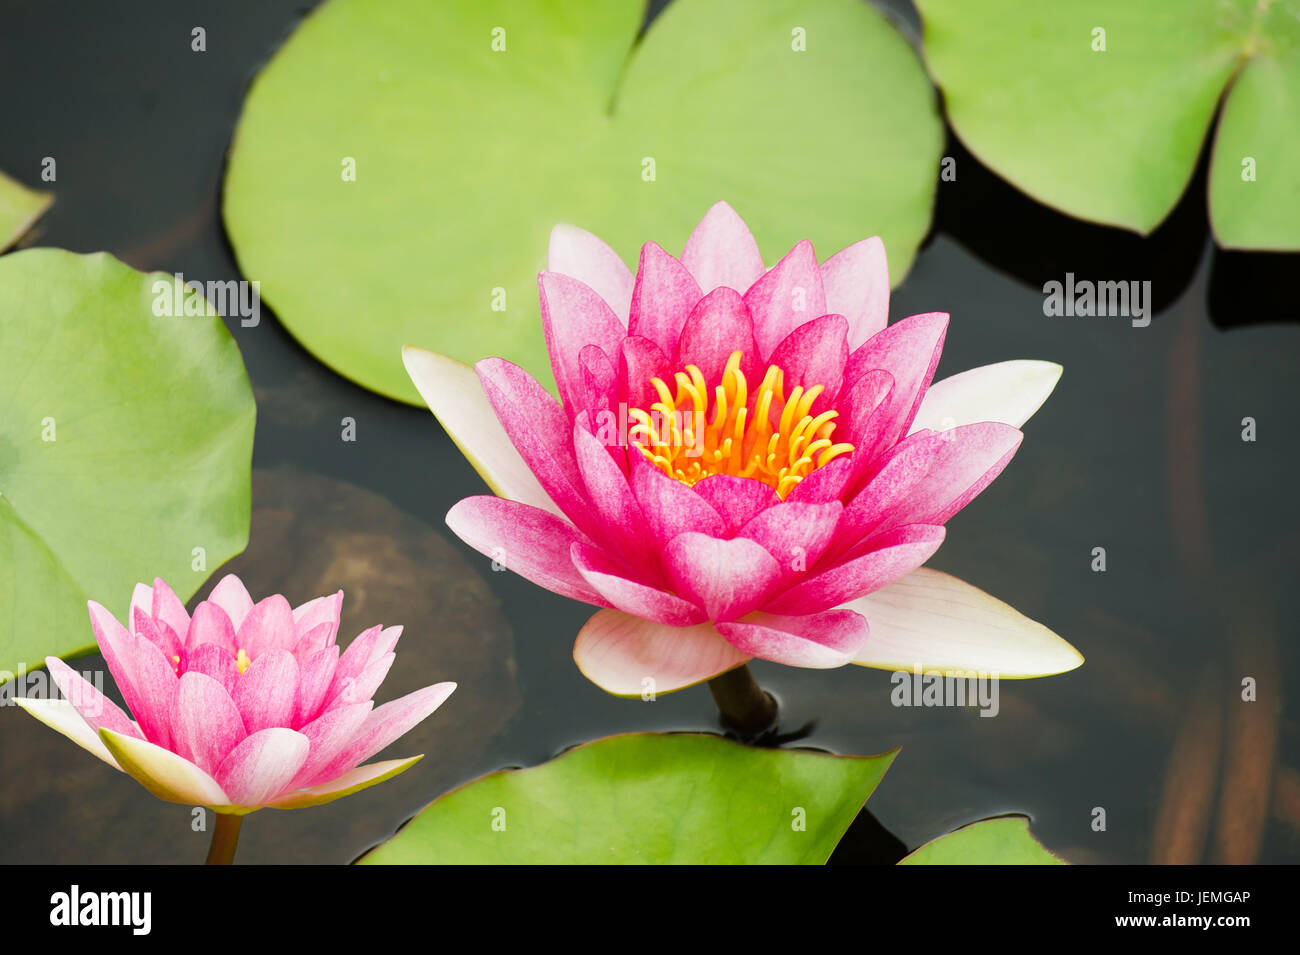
x=241 y=706
x=746 y=462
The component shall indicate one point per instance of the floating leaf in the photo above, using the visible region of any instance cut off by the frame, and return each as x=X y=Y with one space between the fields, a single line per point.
x=1002 y=841
x=125 y=445
x=19 y=208
x=1101 y=108
x=647 y=798
x=465 y=156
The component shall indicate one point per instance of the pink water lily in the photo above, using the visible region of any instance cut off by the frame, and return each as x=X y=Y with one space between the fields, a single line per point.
x=745 y=462
x=243 y=705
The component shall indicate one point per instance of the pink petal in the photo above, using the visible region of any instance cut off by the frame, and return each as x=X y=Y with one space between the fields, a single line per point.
x=142 y=600
x=232 y=597
x=796 y=534
x=737 y=499
x=909 y=350
x=159 y=634
x=612 y=582
x=580 y=255
x=211 y=624
x=268 y=626
x=361 y=688
x=671 y=507
x=728 y=578
x=260 y=767
x=857 y=286
x=573 y=315
x=665 y=295
x=531 y=542
x=721 y=251
x=825 y=484
x=214 y=661
x=315 y=676
x=321 y=635
x=322 y=610
x=207 y=724
x=599 y=381
x=640 y=361
x=786 y=297
x=154 y=682
x=615 y=504
x=95 y=708
x=351 y=676
x=815 y=353
x=719 y=325
x=964 y=462
x=620 y=652
x=454 y=394
x=117 y=645
x=907 y=464
x=328 y=734
x=540 y=430
x=820 y=641
x=268 y=690
x=897 y=552
x=867 y=423
x=388 y=722
x=367 y=647
x=169 y=608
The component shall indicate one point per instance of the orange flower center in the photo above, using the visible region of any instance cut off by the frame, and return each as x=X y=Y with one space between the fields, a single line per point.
x=691 y=434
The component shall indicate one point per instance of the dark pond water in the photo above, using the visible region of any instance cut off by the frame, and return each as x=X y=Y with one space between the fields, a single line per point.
x=1139 y=451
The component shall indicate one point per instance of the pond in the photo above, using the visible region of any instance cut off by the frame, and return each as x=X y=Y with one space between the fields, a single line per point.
x=1140 y=452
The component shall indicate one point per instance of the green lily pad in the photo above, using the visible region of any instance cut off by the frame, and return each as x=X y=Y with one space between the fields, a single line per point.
x=125 y=447
x=1113 y=135
x=19 y=208
x=466 y=157
x=1002 y=841
x=647 y=798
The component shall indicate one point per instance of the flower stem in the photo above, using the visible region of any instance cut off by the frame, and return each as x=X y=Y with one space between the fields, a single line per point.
x=744 y=705
x=224 y=839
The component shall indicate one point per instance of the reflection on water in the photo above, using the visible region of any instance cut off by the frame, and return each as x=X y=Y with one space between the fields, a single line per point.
x=1139 y=451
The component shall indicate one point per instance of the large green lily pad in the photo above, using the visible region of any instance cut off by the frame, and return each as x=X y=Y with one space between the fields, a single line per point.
x=647 y=798
x=1113 y=135
x=19 y=208
x=465 y=157
x=125 y=446
x=1005 y=840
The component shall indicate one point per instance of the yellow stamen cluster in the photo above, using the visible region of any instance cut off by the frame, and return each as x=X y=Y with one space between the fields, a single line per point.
x=678 y=437
x=242 y=660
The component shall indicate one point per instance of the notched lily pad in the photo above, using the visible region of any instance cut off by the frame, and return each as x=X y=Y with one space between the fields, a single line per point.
x=399 y=166
x=125 y=446
x=647 y=798
x=1100 y=109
